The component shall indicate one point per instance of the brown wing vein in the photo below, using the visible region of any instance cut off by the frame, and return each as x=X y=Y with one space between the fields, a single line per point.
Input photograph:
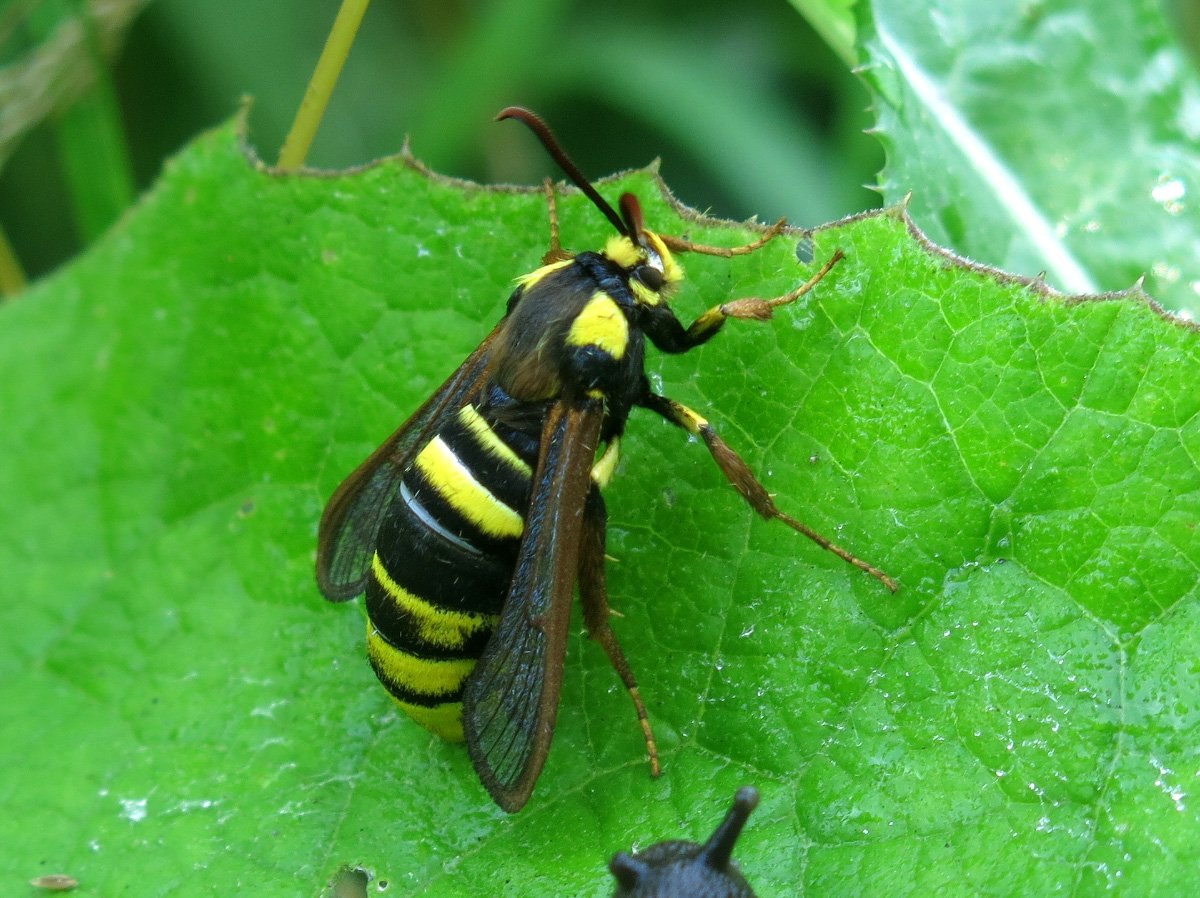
x=511 y=699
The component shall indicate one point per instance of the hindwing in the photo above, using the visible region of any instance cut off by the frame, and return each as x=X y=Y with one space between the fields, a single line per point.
x=350 y=525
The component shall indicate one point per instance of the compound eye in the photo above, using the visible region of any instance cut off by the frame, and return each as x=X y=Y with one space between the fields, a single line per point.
x=650 y=276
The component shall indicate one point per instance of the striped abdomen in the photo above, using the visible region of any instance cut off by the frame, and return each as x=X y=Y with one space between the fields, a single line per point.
x=443 y=564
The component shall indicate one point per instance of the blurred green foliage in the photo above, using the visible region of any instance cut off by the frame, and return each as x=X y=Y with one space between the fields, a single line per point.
x=749 y=110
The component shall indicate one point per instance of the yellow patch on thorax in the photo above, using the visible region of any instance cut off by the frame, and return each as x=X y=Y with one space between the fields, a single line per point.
x=528 y=280
x=601 y=324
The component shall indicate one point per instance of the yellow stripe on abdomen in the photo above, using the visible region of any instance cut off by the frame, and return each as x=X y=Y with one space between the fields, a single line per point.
x=486 y=438
x=470 y=498
x=445 y=720
x=435 y=626
x=421 y=677
x=426 y=676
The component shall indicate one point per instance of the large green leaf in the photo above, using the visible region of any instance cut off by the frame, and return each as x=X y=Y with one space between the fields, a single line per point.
x=1054 y=136
x=186 y=716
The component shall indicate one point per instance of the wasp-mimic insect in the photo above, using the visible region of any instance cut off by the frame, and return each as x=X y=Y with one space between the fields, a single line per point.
x=469 y=528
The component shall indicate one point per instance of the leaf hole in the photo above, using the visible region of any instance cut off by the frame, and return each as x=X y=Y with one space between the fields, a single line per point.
x=350 y=882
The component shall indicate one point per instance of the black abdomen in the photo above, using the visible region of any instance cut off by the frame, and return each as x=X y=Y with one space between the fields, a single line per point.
x=444 y=562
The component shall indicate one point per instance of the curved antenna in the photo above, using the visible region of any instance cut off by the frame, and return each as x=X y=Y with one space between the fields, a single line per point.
x=543 y=133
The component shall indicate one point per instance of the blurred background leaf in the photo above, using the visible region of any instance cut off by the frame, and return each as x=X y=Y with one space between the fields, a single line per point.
x=1055 y=136
x=1052 y=136
x=751 y=113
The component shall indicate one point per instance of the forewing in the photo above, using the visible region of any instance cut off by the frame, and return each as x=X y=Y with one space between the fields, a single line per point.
x=350 y=523
x=511 y=698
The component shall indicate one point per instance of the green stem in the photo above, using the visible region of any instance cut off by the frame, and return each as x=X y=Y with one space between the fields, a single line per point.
x=320 y=87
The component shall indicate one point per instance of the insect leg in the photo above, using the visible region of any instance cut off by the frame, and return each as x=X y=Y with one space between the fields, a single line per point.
x=555 y=253
x=593 y=593
x=754 y=308
x=679 y=245
x=669 y=335
x=738 y=473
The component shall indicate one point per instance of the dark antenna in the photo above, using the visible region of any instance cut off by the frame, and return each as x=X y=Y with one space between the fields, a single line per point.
x=546 y=136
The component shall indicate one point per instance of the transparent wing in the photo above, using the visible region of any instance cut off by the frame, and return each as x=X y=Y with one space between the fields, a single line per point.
x=511 y=698
x=350 y=524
